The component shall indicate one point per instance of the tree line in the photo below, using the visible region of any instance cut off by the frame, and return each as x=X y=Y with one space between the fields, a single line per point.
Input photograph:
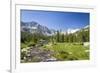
x=80 y=36
x=32 y=39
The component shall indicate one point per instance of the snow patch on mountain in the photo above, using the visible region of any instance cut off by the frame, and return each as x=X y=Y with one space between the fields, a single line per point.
x=69 y=31
x=87 y=26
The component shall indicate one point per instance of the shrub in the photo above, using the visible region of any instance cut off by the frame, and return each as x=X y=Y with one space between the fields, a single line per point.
x=31 y=44
x=23 y=55
x=62 y=55
x=71 y=57
x=23 y=45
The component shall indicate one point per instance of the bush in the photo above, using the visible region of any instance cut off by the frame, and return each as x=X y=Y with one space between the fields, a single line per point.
x=28 y=44
x=31 y=44
x=62 y=55
x=71 y=57
x=23 y=45
x=23 y=55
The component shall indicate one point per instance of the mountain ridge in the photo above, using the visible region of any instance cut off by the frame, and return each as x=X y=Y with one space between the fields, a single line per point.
x=34 y=27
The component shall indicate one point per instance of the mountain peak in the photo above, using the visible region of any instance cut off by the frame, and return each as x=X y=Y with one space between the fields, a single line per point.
x=34 y=27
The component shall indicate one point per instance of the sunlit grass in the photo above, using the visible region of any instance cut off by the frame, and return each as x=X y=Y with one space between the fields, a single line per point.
x=74 y=50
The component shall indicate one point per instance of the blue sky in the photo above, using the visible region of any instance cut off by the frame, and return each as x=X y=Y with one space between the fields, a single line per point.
x=56 y=20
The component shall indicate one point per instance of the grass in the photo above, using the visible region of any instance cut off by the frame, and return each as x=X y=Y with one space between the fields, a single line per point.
x=23 y=45
x=27 y=44
x=62 y=51
x=69 y=51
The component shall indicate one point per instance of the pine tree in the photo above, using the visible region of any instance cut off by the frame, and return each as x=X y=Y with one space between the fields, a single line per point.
x=58 y=36
x=62 y=38
x=66 y=37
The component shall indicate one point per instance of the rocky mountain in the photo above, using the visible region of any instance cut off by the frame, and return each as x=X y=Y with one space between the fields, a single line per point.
x=34 y=27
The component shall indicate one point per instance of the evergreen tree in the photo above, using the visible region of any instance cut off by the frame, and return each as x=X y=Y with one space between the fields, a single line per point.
x=70 y=38
x=66 y=37
x=62 y=38
x=58 y=36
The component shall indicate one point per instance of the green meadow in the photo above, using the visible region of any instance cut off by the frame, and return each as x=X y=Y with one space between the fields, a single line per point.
x=69 y=51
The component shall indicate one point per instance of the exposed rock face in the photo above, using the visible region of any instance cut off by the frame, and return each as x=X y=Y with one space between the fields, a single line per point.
x=34 y=27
